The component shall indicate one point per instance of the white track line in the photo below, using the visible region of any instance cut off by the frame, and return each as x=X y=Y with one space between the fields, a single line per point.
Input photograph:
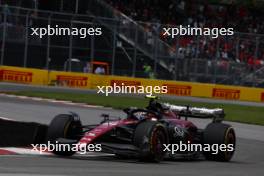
x=31 y=152
x=53 y=101
x=24 y=151
x=4 y=118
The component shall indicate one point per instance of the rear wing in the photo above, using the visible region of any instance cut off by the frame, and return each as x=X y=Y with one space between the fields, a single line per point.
x=216 y=114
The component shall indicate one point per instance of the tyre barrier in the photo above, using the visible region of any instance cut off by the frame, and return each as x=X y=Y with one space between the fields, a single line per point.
x=21 y=134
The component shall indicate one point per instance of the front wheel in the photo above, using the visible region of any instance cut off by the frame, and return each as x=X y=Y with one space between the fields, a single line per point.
x=150 y=138
x=64 y=126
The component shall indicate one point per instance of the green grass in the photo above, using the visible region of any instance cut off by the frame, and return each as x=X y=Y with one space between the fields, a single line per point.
x=237 y=113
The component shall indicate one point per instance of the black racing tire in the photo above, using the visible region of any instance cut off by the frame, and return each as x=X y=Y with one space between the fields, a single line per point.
x=219 y=133
x=149 y=137
x=64 y=126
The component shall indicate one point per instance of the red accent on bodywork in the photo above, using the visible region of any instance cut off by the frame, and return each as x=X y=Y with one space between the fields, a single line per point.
x=170 y=115
x=90 y=136
x=182 y=123
x=7 y=152
x=174 y=118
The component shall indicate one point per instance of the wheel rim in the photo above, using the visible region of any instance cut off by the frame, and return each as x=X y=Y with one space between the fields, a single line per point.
x=158 y=140
x=230 y=139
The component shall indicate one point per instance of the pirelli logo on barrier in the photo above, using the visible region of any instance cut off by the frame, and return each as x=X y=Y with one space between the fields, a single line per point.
x=16 y=76
x=262 y=97
x=228 y=94
x=72 y=81
x=180 y=90
x=125 y=83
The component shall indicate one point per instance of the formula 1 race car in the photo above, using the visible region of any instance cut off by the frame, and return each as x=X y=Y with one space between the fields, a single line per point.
x=148 y=134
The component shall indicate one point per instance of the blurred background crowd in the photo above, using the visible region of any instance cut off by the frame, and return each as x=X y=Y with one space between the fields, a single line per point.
x=245 y=48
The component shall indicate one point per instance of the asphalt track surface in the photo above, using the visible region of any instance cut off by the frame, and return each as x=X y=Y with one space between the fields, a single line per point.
x=248 y=159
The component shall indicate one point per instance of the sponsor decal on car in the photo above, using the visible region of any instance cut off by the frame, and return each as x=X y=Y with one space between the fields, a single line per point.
x=16 y=76
x=229 y=94
x=180 y=90
x=72 y=81
x=178 y=131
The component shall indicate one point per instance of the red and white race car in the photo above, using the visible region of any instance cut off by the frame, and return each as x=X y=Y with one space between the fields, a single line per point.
x=148 y=134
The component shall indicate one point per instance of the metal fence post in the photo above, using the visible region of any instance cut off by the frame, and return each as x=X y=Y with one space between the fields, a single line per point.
x=255 y=59
x=114 y=51
x=155 y=55
x=135 y=54
x=237 y=45
x=196 y=56
x=176 y=59
x=61 y=5
x=237 y=76
x=3 y=40
x=26 y=41
x=216 y=59
x=76 y=6
x=92 y=45
x=70 y=48
x=48 y=46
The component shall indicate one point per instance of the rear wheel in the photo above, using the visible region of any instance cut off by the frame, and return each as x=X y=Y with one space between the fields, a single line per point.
x=217 y=134
x=64 y=126
x=150 y=138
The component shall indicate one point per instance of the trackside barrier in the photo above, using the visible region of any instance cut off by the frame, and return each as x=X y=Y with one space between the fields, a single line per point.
x=23 y=75
x=91 y=81
x=67 y=79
